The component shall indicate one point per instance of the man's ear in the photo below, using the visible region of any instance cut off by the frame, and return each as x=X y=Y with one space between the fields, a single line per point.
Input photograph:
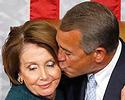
x=99 y=54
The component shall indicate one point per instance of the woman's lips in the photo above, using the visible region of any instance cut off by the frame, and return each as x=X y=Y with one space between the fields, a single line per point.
x=44 y=86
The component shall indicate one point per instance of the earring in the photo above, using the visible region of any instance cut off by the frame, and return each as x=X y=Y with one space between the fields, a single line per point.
x=20 y=80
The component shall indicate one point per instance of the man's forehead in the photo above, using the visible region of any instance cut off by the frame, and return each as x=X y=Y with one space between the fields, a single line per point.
x=68 y=39
x=68 y=32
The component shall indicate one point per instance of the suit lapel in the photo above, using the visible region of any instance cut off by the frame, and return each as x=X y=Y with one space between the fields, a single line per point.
x=78 y=88
x=83 y=88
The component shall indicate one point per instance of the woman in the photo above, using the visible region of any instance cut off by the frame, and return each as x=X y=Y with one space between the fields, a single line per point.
x=30 y=61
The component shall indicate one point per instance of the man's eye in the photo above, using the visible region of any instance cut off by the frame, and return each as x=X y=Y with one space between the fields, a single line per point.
x=67 y=53
x=51 y=64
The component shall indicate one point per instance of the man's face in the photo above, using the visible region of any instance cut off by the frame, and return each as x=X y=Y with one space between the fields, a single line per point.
x=72 y=58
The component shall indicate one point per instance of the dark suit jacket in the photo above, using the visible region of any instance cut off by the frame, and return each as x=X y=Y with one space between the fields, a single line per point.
x=75 y=88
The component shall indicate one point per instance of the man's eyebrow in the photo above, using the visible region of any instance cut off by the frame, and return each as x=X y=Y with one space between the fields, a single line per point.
x=65 y=49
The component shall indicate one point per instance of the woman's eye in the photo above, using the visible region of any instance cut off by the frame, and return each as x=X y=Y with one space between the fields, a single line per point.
x=32 y=67
x=51 y=64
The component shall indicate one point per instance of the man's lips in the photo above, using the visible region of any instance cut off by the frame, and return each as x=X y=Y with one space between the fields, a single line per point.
x=63 y=68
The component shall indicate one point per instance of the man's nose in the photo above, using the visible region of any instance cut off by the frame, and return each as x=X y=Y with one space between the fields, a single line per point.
x=61 y=56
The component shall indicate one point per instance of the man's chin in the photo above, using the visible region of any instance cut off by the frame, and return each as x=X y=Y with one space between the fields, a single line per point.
x=69 y=75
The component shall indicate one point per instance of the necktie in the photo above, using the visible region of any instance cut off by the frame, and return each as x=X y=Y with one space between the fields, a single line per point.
x=91 y=88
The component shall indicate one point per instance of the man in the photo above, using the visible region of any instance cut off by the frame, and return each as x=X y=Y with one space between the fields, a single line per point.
x=89 y=44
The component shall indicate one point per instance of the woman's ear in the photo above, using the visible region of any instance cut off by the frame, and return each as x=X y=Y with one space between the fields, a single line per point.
x=99 y=54
x=20 y=79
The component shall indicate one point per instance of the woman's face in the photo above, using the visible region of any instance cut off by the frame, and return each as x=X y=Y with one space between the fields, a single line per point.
x=38 y=70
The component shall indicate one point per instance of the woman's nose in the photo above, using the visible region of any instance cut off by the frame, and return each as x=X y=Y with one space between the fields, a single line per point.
x=43 y=74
